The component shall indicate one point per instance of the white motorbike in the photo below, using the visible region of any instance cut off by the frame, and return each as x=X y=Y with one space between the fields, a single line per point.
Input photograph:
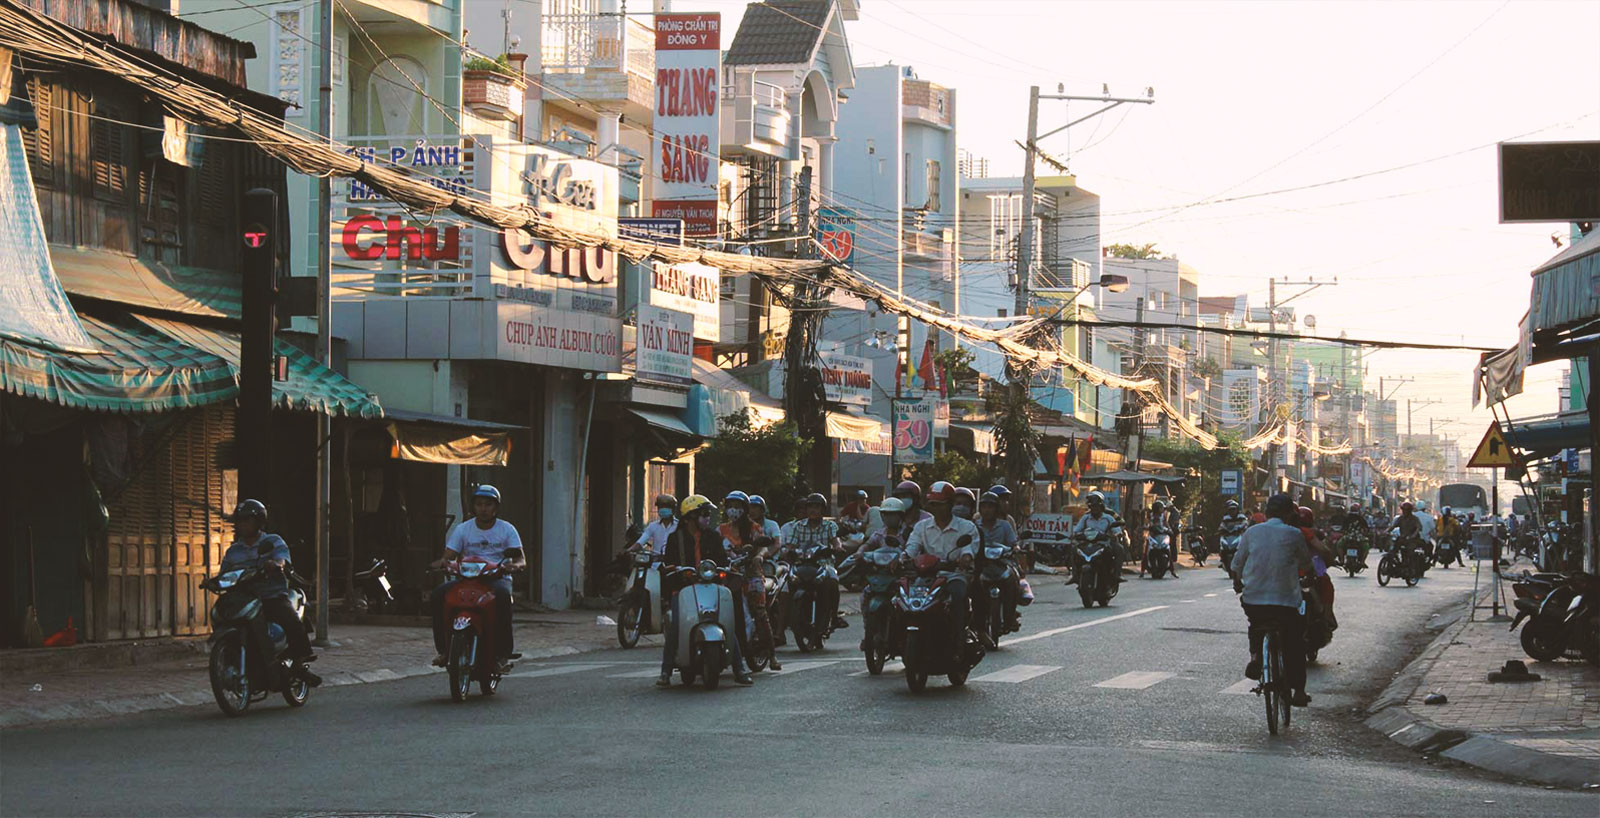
x=640 y=612
x=705 y=625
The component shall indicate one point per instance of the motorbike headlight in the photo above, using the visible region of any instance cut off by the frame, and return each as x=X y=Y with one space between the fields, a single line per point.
x=709 y=575
x=471 y=569
x=228 y=579
x=994 y=552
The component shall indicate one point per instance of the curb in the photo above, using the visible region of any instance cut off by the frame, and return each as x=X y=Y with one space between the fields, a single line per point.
x=1389 y=715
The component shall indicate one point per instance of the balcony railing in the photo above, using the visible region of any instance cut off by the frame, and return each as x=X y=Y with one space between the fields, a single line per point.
x=576 y=42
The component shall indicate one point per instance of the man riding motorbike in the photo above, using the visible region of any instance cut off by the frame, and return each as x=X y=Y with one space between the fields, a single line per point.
x=656 y=532
x=253 y=547
x=741 y=534
x=949 y=538
x=814 y=530
x=1003 y=495
x=1322 y=557
x=494 y=540
x=1453 y=532
x=1103 y=522
x=1267 y=570
x=1158 y=525
x=696 y=539
x=996 y=530
x=911 y=493
x=1233 y=521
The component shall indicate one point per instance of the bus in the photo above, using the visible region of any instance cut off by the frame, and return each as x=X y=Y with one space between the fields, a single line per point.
x=1464 y=498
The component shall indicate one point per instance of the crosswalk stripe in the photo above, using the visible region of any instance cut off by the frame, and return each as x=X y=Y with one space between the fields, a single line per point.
x=1239 y=688
x=1091 y=623
x=888 y=668
x=1016 y=673
x=555 y=670
x=636 y=674
x=1137 y=680
x=798 y=665
x=1211 y=596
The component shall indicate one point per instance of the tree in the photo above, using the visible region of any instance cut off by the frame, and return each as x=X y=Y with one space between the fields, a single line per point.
x=955 y=467
x=1134 y=251
x=1016 y=445
x=955 y=365
x=1206 y=492
x=756 y=461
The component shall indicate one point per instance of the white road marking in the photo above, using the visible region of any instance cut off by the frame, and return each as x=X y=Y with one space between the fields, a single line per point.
x=888 y=668
x=1188 y=600
x=1016 y=673
x=1091 y=623
x=1210 y=596
x=637 y=674
x=803 y=664
x=555 y=670
x=1137 y=680
x=1239 y=688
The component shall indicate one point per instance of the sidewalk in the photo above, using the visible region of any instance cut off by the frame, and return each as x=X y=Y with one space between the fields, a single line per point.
x=1546 y=731
x=91 y=681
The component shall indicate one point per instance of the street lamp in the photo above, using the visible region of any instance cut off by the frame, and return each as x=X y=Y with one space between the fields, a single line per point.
x=1110 y=281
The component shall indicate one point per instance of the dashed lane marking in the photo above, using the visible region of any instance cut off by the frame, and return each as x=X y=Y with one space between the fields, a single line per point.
x=1137 y=680
x=797 y=665
x=1239 y=688
x=555 y=670
x=1016 y=673
x=637 y=674
x=889 y=668
x=1091 y=623
x=1210 y=596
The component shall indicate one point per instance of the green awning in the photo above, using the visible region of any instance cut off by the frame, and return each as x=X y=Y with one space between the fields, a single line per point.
x=140 y=370
x=311 y=387
x=1566 y=289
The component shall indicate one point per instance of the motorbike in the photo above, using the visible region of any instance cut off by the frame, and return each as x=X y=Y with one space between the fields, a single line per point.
x=1318 y=630
x=640 y=612
x=924 y=607
x=373 y=583
x=1354 y=544
x=1227 y=546
x=469 y=607
x=705 y=625
x=1100 y=577
x=249 y=655
x=878 y=614
x=811 y=624
x=994 y=580
x=1446 y=551
x=1563 y=616
x=1198 y=550
x=1158 y=554
x=778 y=579
x=1404 y=561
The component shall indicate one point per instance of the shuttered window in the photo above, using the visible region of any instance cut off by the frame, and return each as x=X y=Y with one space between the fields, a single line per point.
x=109 y=153
x=40 y=142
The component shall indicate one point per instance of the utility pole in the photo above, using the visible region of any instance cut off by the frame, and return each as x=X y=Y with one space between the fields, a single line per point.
x=324 y=317
x=1273 y=304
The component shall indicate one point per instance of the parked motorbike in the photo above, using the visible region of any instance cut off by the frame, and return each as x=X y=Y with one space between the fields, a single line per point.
x=373 y=584
x=1227 y=546
x=640 y=612
x=249 y=655
x=878 y=614
x=705 y=625
x=1405 y=561
x=811 y=624
x=469 y=607
x=1562 y=614
x=1100 y=577
x=1158 y=554
x=994 y=580
x=924 y=606
x=1355 y=545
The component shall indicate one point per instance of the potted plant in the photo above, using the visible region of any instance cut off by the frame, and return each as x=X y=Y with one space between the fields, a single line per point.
x=492 y=88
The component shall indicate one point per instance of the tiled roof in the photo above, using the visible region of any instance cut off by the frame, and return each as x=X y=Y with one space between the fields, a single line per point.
x=778 y=32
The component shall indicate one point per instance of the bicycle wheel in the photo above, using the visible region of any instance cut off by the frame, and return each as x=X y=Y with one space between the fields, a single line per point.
x=1269 y=682
x=1280 y=683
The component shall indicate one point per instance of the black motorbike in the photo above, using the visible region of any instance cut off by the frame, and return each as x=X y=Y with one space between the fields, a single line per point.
x=1354 y=546
x=1198 y=549
x=812 y=625
x=1319 y=629
x=375 y=587
x=1100 y=576
x=1407 y=560
x=1227 y=546
x=994 y=583
x=924 y=605
x=249 y=655
x=1159 y=555
x=1562 y=612
x=879 y=618
x=1447 y=552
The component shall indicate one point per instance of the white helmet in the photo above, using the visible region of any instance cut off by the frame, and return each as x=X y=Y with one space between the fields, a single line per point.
x=892 y=505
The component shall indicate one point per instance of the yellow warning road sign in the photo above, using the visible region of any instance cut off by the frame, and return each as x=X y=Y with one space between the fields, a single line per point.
x=1493 y=451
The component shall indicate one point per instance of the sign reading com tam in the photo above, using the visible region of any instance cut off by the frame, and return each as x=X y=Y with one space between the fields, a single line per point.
x=687 y=122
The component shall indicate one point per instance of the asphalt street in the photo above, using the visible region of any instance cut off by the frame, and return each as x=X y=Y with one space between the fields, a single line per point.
x=1135 y=709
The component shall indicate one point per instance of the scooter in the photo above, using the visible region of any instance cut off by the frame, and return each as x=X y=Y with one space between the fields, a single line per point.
x=1445 y=553
x=878 y=614
x=993 y=582
x=469 y=607
x=705 y=625
x=811 y=624
x=373 y=583
x=1158 y=554
x=1355 y=552
x=1198 y=550
x=1564 y=621
x=924 y=606
x=249 y=655
x=640 y=612
x=1227 y=546
x=1100 y=577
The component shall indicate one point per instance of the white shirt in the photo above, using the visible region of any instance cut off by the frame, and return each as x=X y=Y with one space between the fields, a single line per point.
x=655 y=535
x=770 y=529
x=1427 y=525
x=468 y=540
x=928 y=538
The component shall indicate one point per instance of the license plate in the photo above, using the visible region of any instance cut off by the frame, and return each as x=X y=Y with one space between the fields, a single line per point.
x=1352 y=553
x=463 y=622
x=384 y=581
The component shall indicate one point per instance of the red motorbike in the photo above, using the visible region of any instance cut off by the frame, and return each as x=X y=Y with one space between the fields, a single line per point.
x=469 y=607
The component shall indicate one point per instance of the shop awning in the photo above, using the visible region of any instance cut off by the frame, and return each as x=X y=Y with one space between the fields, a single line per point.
x=665 y=422
x=140 y=370
x=977 y=439
x=427 y=438
x=1565 y=291
x=311 y=387
x=730 y=396
x=1136 y=477
x=1542 y=437
x=138 y=282
x=842 y=426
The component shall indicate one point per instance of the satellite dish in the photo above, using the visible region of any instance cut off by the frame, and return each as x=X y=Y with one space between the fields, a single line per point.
x=1311 y=321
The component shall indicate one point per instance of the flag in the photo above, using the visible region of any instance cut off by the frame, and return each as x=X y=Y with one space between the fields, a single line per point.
x=928 y=372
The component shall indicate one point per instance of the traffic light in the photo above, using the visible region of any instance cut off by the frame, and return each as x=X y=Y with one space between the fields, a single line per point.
x=257 y=362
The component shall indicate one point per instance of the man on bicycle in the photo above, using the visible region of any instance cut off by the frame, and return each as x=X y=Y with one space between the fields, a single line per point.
x=1267 y=575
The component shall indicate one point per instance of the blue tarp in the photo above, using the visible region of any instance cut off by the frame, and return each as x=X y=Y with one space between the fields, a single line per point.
x=34 y=310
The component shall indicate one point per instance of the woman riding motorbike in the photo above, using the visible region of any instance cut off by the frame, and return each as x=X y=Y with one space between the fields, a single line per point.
x=742 y=534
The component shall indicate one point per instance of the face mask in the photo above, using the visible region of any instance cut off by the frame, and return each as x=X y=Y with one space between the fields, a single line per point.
x=964 y=512
x=735 y=513
x=664 y=513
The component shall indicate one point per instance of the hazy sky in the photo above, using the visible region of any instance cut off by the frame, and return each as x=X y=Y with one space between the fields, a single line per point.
x=1259 y=96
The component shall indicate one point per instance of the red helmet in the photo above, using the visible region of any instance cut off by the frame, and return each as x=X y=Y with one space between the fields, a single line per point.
x=1304 y=516
x=941 y=492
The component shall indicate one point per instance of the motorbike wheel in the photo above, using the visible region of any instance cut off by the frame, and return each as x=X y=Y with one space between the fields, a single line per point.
x=1311 y=655
x=459 y=665
x=916 y=675
x=1385 y=571
x=1086 y=594
x=958 y=677
x=1542 y=643
x=228 y=686
x=296 y=692
x=997 y=626
x=629 y=624
x=1412 y=580
x=489 y=685
x=804 y=642
x=711 y=666
x=875 y=658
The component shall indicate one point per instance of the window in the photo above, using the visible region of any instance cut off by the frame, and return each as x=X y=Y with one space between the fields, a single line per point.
x=396 y=104
x=109 y=153
x=933 y=187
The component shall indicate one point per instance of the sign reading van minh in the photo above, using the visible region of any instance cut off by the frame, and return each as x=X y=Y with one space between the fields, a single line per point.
x=687 y=121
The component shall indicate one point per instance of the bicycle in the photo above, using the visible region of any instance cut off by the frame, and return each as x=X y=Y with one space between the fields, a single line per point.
x=1273 y=688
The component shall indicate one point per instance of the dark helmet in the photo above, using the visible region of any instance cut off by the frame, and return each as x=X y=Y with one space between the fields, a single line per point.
x=1407 y=507
x=941 y=492
x=665 y=500
x=815 y=499
x=488 y=491
x=1158 y=506
x=861 y=494
x=250 y=508
x=1000 y=492
x=966 y=494
x=1304 y=516
x=1355 y=508
x=989 y=497
x=908 y=487
x=1281 y=506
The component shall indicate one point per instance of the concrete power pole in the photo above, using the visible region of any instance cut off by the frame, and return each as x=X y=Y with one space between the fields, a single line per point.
x=324 y=317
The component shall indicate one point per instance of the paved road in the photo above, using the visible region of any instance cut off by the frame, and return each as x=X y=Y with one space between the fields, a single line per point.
x=1135 y=709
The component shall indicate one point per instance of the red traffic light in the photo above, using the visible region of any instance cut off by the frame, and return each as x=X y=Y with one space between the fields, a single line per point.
x=255 y=236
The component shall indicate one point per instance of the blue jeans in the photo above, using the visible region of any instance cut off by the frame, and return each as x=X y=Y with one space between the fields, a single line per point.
x=669 y=652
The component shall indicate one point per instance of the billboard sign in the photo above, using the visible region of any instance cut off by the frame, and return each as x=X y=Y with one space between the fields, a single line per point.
x=913 y=430
x=848 y=379
x=836 y=234
x=1231 y=482
x=665 y=345
x=691 y=288
x=687 y=140
x=1549 y=182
